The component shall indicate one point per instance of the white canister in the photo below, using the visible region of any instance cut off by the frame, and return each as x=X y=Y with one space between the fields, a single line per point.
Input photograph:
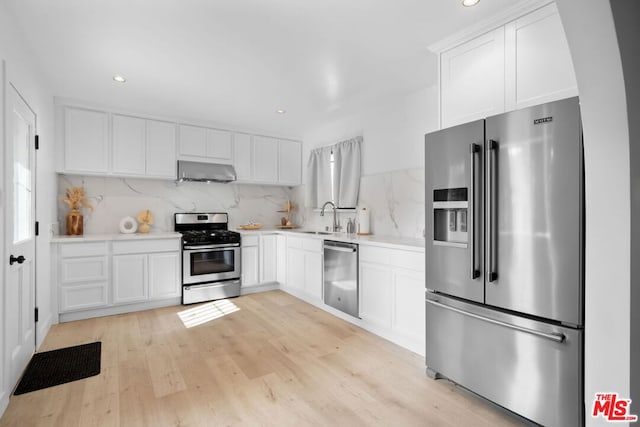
x=363 y=221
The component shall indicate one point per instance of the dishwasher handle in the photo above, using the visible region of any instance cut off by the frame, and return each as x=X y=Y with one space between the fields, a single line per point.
x=340 y=248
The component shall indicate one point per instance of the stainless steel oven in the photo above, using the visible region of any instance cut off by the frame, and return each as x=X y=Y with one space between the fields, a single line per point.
x=210 y=257
x=210 y=263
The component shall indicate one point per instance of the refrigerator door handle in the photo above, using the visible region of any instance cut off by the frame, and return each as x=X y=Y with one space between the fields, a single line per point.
x=492 y=149
x=557 y=337
x=475 y=272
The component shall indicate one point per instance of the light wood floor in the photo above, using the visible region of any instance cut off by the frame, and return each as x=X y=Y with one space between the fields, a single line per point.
x=276 y=361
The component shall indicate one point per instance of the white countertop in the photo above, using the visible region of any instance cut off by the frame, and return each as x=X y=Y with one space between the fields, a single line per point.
x=395 y=242
x=103 y=237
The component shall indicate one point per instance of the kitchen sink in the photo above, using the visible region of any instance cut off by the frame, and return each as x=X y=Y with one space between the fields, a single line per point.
x=324 y=233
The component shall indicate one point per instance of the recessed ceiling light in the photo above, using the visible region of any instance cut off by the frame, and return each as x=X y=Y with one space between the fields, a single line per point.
x=281 y=111
x=118 y=78
x=469 y=3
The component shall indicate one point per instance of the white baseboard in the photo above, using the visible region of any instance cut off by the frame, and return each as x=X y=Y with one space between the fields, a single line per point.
x=120 y=309
x=43 y=330
x=246 y=290
x=4 y=402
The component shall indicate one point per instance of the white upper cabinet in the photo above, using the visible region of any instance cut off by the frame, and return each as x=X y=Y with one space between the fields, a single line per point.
x=539 y=66
x=129 y=145
x=472 y=79
x=265 y=159
x=86 y=141
x=242 y=156
x=522 y=63
x=161 y=149
x=107 y=143
x=205 y=145
x=289 y=162
x=143 y=147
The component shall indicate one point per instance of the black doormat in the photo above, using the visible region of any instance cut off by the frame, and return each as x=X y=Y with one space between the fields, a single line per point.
x=60 y=366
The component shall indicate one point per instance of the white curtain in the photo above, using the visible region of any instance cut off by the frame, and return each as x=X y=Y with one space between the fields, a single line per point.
x=334 y=174
x=346 y=157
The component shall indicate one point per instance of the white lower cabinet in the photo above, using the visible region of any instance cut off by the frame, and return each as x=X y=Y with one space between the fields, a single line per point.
x=103 y=275
x=250 y=263
x=305 y=267
x=392 y=294
x=83 y=275
x=268 y=258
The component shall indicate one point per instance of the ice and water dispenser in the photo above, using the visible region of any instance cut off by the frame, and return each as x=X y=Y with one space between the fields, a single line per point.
x=450 y=213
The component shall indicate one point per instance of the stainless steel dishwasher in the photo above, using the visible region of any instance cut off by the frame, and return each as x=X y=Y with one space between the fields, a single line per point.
x=341 y=276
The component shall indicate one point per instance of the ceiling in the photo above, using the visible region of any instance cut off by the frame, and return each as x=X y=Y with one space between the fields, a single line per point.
x=235 y=62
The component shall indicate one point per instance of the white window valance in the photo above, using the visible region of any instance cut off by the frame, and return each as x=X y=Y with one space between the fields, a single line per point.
x=334 y=174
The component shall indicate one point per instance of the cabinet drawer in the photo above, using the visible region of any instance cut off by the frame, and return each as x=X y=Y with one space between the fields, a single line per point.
x=249 y=240
x=73 y=270
x=295 y=242
x=83 y=297
x=375 y=255
x=408 y=259
x=146 y=246
x=313 y=245
x=83 y=249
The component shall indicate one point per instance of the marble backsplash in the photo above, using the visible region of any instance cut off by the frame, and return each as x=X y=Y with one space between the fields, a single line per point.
x=116 y=198
x=395 y=201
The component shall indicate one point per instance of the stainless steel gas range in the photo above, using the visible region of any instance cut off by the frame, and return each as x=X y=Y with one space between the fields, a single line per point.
x=210 y=257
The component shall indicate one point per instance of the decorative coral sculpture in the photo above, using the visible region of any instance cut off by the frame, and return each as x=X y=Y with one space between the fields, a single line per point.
x=145 y=218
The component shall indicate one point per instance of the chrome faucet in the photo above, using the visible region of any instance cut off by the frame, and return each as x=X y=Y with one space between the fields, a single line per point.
x=336 y=227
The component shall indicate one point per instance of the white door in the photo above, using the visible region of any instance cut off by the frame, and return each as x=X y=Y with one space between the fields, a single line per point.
x=19 y=319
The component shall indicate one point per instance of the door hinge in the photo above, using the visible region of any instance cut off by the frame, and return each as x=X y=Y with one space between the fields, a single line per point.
x=37 y=231
x=37 y=142
x=35 y=314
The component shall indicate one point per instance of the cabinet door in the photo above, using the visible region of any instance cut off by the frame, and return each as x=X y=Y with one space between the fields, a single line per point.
x=129 y=278
x=161 y=149
x=472 y=79
x=129 y=147
x=281 y=269
x=289 y=162
x=375 y=293
x=164 y=275
x=268 y=259
x=313 y=269
x=193 y=141
x=295 y=268
x=85 y=141
x=265 y=155
x=219 y=146
x=539 y=67
x=242 y=156
x=250 y=266
x=83 y=296
x=408 y=303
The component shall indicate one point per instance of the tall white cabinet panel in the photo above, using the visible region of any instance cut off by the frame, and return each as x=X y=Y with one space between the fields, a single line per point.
x=161 y=149
x=313 y=274
x=242 y=156
x=164 y=275
x=129 y=278
x=219 y=146
x=250 y=266
x=86 y=141
x=408 y=303
x=539 y=66
x=295 y=268
x=193 y=141
x=375 y=293
x=265 y=155
x=129 y=145
x=269 y=258
x=281 y=268
x=472 y=79
x=289 y=162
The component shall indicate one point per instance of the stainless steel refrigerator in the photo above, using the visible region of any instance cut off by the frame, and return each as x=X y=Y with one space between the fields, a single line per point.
x=504 y=260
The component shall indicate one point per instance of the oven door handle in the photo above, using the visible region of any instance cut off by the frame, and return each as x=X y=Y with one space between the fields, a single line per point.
x=212 y=247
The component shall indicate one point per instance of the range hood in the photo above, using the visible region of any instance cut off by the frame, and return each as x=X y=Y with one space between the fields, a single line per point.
x=205 y=172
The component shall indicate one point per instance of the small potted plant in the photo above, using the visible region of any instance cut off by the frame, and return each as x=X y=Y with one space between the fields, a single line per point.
x=75 y=199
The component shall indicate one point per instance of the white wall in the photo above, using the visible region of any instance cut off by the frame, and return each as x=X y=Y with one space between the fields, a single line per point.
x=592 y=40
x=393 y=132
x=23 y=72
